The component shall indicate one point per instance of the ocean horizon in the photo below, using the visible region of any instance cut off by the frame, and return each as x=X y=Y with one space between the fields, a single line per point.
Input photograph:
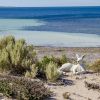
x=52 y=26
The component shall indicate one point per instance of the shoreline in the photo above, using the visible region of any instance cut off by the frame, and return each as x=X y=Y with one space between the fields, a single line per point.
x=92 y=53
x=55 y=39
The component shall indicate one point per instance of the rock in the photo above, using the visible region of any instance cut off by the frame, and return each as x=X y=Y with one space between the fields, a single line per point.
x=66 y=95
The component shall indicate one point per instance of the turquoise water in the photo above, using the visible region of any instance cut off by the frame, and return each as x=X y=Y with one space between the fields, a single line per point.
x=65 y=27
x=43 y=38
x=17 y=24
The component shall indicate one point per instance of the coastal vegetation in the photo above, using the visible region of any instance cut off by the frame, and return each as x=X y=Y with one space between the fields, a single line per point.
x=21 y=70
x=95 y=66
x=49 y=61
x=21 y=88
x=51 y=72
x=32 y=73
x=16 y=56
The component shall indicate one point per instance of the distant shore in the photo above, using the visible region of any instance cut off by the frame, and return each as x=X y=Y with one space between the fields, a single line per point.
x=92 y=53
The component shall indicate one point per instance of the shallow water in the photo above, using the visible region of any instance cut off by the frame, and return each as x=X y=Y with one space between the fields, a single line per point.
x=65 y=26
x=43 y=38
x=18 y=24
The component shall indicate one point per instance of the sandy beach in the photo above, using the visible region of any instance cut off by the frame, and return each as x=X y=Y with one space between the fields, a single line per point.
x=76 y=86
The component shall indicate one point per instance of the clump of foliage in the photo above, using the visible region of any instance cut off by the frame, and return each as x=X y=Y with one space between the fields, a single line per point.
x=47 y=59
x=32 y=73
x=42 y=64
x=16 y=55
x=95 y=66
x=51 y=72
x=63 y=59
x=66 y=95
x=23 y=89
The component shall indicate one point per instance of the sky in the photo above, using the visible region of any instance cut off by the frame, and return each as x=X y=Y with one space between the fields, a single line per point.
x=47 y=3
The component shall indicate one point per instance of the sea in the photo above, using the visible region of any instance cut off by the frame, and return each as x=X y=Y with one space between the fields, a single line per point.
x=52 y=26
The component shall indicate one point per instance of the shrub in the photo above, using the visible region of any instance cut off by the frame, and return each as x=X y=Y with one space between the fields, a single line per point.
x=23 y=89
x=16 y=55
x=95 y=66
x=86 y=65
x=4 y=87
x=51 y=72
x=47 y=59
x=13 y=90
x=42 y=64
x=32 y=73
x=62 y=60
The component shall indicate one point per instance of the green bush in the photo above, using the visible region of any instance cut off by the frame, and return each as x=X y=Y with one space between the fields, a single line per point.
x=16 y=55
x=47 y=59
x=32 y=73
x=44 y=61
x=42 y=64
x=51 y=72
x=95 y=66
x=62 y=60
x=23 y=89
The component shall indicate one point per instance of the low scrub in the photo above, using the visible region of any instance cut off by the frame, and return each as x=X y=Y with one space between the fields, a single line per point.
x=15 y=55
x=51 y=72
x=23 y=89
x=32 y=72
x=42 y=64
x=95 y=66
